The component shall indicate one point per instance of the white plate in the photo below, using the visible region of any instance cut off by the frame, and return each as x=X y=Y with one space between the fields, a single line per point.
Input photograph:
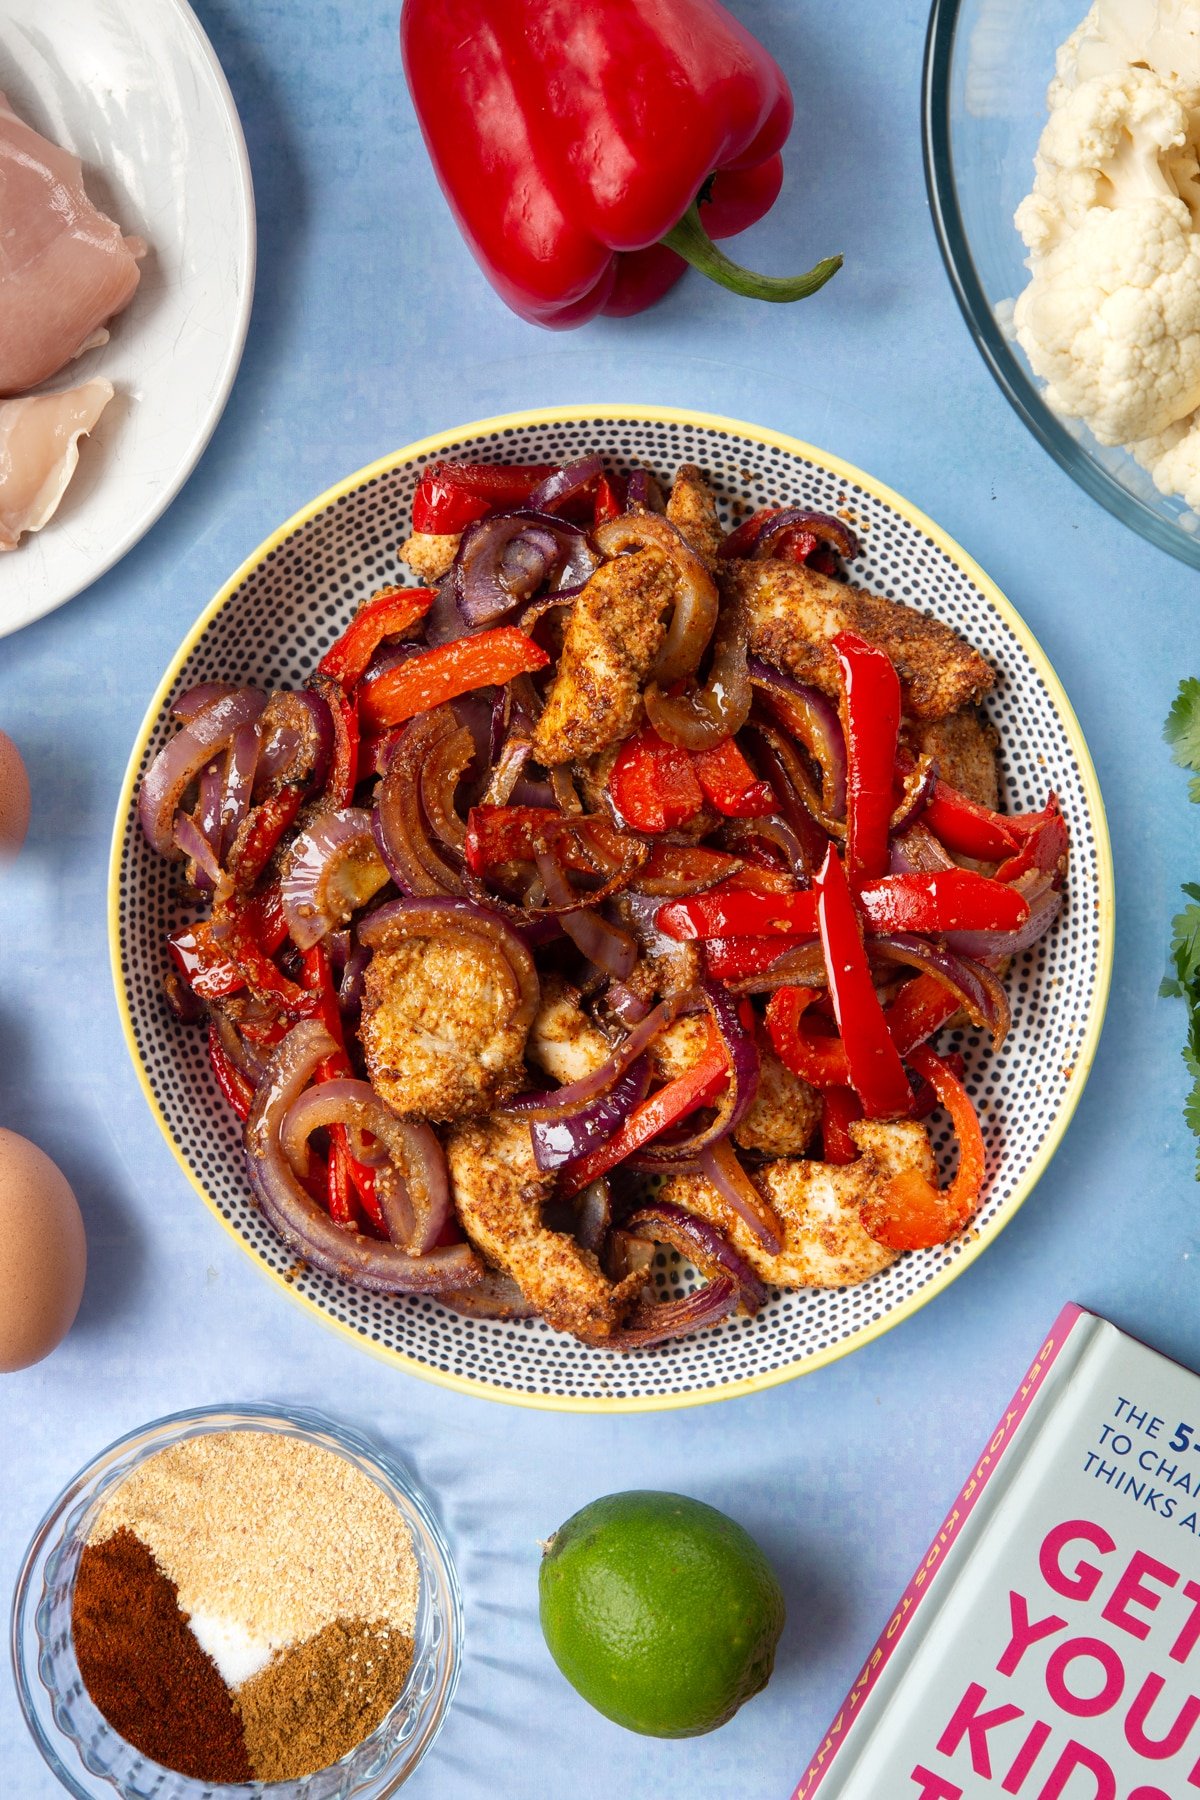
x=134 y=89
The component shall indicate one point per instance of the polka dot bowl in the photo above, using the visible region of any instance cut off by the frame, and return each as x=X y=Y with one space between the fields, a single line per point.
x=272 y=622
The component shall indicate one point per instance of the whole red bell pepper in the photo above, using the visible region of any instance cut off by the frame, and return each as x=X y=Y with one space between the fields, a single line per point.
x=579 y=147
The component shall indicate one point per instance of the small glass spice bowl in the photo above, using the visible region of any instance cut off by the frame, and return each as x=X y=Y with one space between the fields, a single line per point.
x=91 y=1760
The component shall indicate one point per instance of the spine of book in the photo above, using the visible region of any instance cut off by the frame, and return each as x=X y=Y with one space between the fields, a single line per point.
x=832 y=1763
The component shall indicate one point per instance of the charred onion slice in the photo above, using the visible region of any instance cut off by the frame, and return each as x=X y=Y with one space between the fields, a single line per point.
x=1045 y=899
x=721 y=1166
x=381 y=1268
x=412 y=1183
x=180 y=761
x=695 y=613
x=401 y=830
x=557 y=1103
x=448 y=761
x=297 y=743
x=566 y=1136
x=608 y=946
x=704 y=716
x=738 y=1097
x=506 y=559
x=812 y=718
x=704 y=1244
x=831 y=530
x=333 y=869
x=494 y=1296
x=656 y=1322
x=978 y=990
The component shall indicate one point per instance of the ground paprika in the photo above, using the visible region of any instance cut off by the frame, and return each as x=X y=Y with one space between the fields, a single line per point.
x=145 y=1670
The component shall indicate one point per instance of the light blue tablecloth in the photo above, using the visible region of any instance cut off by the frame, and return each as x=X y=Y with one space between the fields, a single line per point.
x=372 y=327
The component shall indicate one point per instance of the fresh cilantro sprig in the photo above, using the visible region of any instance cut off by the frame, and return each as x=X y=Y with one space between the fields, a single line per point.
x=1182 y=732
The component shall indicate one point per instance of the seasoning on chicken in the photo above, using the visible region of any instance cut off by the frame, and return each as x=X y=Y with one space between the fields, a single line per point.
x=612 y=637
x=825 y=1243
x=499 y=1193
x=429 y=554
x=65 y=269
x=793 y=613
x=785 y=1111
x=437 y=1029
x=39 y=450
x=563 y=1042
x=692 y=510
x=964 y=749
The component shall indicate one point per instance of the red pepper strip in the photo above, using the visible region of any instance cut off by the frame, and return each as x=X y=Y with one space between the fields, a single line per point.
x=731 y=784
x=946 y=900
x=386 y=614
x=343 y=775
x=912 y=1214
x=876 y=1072
x=203 y=960
x=729 y=959
x=424 y=682
x=240 y=939
x=610 y=500
x=679 y=91
x=698 y=1086
x=502 y=834
x=259 y=837
x=1045 y=842
x=653 y=784
x=871 y=715
x=921 y=1007
x=451 y=494
x=236 y=1087
x=344 y=1169
x=840 y=1108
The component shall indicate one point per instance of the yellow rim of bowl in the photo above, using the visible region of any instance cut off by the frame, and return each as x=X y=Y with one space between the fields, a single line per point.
x=671 y=415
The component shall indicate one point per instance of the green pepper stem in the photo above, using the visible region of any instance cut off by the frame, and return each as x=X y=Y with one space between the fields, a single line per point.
x=690 y=240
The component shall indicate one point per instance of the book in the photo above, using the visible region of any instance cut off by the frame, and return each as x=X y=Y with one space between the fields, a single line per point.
x=1048 y=1645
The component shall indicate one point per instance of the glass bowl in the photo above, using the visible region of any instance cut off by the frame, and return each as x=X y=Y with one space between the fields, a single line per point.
x=988 y=64
x=91 y=1760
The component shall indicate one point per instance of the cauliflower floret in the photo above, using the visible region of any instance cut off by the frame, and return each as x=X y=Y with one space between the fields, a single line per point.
x=1111 y=320
x=1114 y=140
x=1163 y=34
x=1173 y=459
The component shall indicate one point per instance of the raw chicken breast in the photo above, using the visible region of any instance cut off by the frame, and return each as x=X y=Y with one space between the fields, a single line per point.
x=39 y=448
x=64 y=268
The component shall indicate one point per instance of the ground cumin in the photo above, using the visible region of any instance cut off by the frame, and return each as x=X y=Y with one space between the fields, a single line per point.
x=313 y=1703
x=144 y=1669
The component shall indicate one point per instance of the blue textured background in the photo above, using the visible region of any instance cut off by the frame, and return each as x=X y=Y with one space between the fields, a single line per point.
x=371 y=327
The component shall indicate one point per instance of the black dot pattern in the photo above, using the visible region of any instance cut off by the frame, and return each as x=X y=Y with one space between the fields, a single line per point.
x=272 y=626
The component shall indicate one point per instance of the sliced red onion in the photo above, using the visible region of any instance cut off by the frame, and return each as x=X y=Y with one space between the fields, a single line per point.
x=739 y=1094
x=628 y=1005
x=242 y=1054
x=507 y=558
x=191 y=843
x=1045 y=903
x=721 y=1165
x=655 y=1322
x=695 y=612
x=919 y=784
x=494 y=1296
x=704 y=716
x=207 y=811
x=333 y=868
x=401 y=831
x=979 y=990
x=180 y=761
x=799 y=803
x=557 y=1103
x=703 y=1243
x=193 y=700
x=444 y=623
x=239 y=782
x=611 y=948
x=412 y=1185
x=566 y=484
x=441 y=772
x=297 y=743
x=307 y=1230
x=642 y=491
x=561 y=1139
x=826 y=526
x=593 y=1216
x=741 y=836
x=812 y=718
x=802 y=964
x=399 y=920
x=916 y=851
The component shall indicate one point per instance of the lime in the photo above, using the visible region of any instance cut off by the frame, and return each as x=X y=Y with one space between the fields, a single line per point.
x=660 y=1610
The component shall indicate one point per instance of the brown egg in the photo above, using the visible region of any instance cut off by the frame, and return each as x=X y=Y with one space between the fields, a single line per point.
x=14 y=799
x=43 y=1254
